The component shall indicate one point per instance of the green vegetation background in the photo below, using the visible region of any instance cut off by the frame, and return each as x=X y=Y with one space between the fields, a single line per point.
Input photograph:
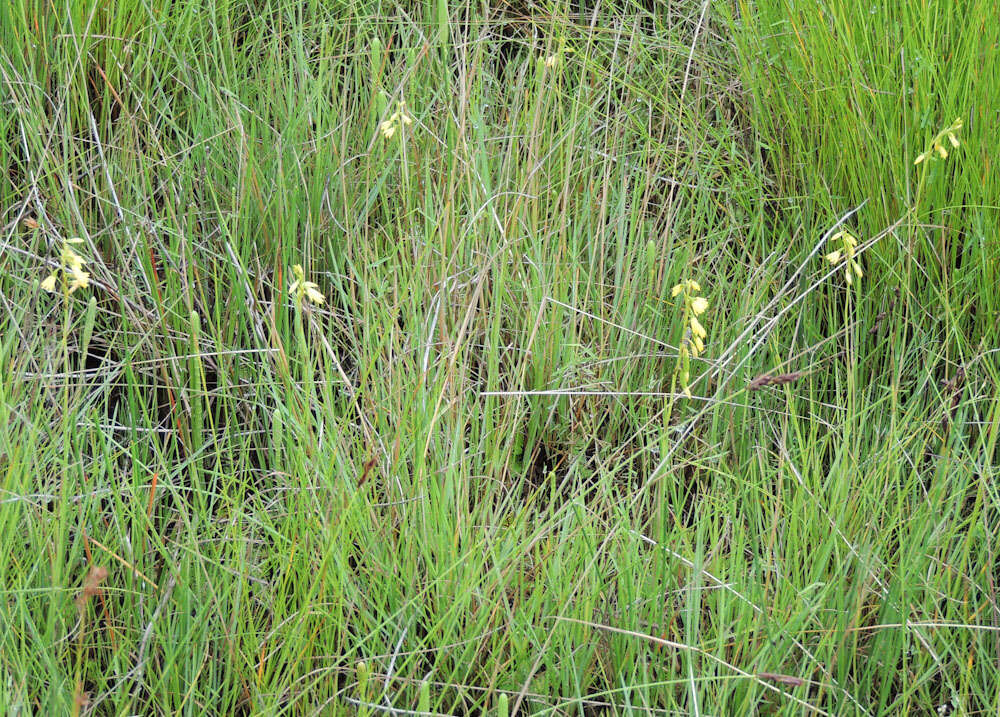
x=278 y=493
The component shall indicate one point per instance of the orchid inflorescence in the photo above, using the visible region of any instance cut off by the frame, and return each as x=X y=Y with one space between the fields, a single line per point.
x=847 y=251
x=302 y=289
x=695 y=334
x=70 y=267
x=937 y=149
x=397 y=120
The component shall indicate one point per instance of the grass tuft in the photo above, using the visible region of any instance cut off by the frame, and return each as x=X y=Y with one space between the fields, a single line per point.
x=376 y=397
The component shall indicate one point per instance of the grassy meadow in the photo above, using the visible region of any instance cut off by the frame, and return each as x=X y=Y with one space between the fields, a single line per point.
x=503 y=467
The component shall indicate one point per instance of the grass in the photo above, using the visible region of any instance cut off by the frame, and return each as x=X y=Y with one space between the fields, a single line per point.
x=469 y=481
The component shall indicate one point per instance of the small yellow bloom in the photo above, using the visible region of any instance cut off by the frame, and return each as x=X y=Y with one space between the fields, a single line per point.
x=833 y=257
x=551 y=61
x=678 y=288
x=299 y=278
x=49 y=283
x=697 y=329
x=388 y=129
x=846 y=237
x=81 y=279
x=699 y=305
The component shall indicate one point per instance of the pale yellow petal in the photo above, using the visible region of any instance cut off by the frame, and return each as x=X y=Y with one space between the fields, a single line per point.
x=699 y=305
x=697 y=329
x=49 y=283
x=313 y=294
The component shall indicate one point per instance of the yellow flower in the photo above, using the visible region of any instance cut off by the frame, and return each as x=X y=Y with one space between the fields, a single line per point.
x=551 y=61
x=846 y=237
x=312 y=293
x=81 y=279
x=72 y=260
x=697 y=329
x=299 y=277
x=699 y=305
x=301 y=288
x=404 y=116
x=49 y=283
x=833 y=257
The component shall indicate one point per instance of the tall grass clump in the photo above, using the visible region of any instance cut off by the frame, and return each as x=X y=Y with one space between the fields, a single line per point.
x=497 y=358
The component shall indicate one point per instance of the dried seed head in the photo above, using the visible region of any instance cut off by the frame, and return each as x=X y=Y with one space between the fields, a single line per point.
x=92 y=584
